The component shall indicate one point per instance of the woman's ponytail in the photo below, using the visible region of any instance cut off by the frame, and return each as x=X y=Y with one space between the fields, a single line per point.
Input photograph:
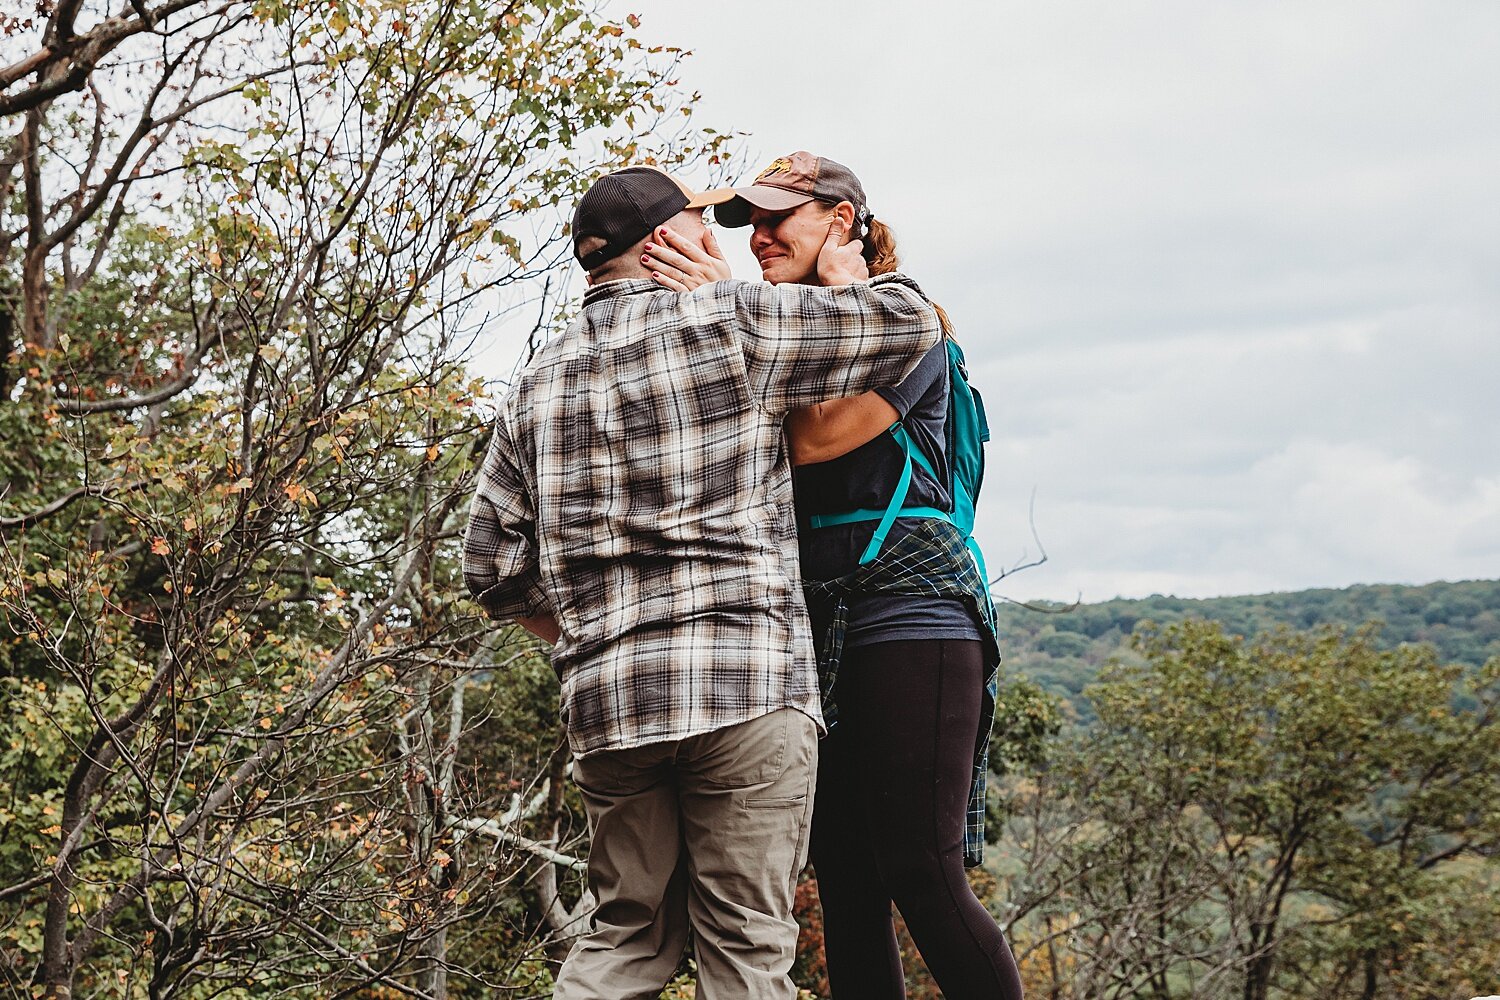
x=880 y=248
x=881 y=258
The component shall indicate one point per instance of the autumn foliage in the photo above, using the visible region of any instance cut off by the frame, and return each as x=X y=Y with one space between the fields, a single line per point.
x=254 y=737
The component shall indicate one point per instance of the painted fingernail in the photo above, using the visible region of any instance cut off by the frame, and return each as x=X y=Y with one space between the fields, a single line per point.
x=650 y=246
x=645 y=259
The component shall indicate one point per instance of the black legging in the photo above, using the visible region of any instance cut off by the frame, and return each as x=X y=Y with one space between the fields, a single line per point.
x=888 y=825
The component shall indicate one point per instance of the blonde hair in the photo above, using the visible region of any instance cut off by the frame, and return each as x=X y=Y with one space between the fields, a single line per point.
x=881 y=258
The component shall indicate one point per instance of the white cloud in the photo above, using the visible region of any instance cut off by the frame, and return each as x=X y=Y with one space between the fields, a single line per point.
x=1312 y=455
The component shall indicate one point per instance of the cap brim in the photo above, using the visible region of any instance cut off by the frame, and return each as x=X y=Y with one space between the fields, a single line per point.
x=703 y=199
x=734 y=211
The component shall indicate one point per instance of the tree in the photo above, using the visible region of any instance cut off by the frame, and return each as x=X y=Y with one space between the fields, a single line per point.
x=1293 y=814
x=255 y=243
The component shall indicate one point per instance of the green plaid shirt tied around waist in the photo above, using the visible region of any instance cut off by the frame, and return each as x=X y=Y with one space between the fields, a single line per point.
x=932 y=560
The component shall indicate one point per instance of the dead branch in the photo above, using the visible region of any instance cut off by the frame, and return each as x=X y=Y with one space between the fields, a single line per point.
x=65 y=60
x=19 y=521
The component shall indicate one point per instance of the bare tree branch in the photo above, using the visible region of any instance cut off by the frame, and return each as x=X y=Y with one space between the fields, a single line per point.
x=63 y=502
x=64 y=63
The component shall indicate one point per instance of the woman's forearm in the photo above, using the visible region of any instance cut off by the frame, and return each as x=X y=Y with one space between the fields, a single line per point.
x=831 y=429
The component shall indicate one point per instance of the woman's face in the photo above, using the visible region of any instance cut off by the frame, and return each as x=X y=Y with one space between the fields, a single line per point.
x=787 y=243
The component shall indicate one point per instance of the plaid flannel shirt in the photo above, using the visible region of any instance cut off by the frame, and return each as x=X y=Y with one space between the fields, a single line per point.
x=637 y=488
x=931 y=560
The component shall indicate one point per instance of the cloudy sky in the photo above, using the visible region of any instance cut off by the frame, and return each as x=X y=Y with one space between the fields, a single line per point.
x=1228 y=274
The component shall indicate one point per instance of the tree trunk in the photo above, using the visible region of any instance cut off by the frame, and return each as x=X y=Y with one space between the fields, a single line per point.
x=1258 y=969
x=7 y=340
x=34 y=264
x=1372 y=975
x=434 y=978
x=1055 y=993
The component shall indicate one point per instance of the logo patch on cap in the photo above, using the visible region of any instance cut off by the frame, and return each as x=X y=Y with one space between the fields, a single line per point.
x=780 y=165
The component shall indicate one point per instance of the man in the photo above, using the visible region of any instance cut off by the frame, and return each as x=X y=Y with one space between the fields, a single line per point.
x=635 y=508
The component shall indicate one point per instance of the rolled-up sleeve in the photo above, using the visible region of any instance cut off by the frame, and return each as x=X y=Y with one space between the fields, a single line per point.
x=805 y=344
x=500 y=553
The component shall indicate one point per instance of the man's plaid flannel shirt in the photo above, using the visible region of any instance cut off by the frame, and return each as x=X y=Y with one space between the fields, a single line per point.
x=637 y=488
x=931 y=560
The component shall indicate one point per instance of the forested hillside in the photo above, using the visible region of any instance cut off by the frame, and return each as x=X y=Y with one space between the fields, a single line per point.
x=1063 y=648
x=1302 y=814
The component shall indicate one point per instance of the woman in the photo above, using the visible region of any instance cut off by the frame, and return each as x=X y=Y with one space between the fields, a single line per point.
x=896 y=770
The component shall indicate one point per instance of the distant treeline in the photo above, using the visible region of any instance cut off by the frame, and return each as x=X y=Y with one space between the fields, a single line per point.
x=1063 y=650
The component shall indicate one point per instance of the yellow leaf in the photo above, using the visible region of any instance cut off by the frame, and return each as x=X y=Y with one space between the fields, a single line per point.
x=265 y=723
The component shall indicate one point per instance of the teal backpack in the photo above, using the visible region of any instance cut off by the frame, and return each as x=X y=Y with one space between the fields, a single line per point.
x=967 y=431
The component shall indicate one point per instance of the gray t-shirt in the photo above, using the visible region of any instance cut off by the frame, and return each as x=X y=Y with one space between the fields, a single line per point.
x=865 y=479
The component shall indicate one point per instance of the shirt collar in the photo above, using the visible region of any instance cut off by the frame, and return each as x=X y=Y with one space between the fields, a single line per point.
x=620 y=286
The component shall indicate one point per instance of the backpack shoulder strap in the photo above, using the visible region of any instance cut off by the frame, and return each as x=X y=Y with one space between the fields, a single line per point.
x=897 y=507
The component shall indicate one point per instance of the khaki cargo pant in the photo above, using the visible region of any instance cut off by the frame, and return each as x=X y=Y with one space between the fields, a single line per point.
x=702 y=836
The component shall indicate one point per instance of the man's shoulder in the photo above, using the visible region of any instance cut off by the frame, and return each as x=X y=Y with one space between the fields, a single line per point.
x=521 y=386
x=603 y=322
x=555 y=350
x=604 y=325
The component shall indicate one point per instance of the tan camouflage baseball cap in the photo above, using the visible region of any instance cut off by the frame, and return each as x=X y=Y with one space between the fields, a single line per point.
x=791 y=181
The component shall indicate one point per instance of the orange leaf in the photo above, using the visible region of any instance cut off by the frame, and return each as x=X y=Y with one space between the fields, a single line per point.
x=160 y=547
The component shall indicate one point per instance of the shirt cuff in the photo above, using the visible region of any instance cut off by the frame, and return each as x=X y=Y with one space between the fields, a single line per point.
x=518 y=597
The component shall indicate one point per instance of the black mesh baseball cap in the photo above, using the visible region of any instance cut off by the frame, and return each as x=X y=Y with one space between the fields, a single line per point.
x=623 y=207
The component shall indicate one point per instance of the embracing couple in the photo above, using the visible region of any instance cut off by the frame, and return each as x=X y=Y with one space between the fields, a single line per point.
x=637 y=509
